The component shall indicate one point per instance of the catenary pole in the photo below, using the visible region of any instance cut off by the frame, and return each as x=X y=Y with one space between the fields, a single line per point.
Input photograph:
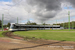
x=63 y=23
x=69 y=20
x=56 y=22
x=17 y=20
x=72 y=25
x=2 y=21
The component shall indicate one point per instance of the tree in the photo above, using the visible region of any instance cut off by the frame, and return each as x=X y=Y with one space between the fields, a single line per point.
x=43 y=24
x=30 y=23
x=33 y=23
x=8 y=25
x=4 y=26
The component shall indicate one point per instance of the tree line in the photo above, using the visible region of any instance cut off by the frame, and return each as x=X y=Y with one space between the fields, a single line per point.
x=7 y=25
x=65 y=25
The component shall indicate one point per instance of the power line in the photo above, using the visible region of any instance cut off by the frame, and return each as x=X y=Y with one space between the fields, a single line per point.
x=11 y=7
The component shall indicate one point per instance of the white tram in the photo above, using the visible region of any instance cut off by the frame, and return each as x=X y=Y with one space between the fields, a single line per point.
x=22 y=27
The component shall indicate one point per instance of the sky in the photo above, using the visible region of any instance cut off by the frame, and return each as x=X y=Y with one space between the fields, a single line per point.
x=6 y=0
x=39 y=11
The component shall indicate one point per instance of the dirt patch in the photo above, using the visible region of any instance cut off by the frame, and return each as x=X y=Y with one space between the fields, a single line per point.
x=36 y=45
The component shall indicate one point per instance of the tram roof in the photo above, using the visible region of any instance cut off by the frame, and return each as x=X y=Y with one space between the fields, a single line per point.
x=38 y=25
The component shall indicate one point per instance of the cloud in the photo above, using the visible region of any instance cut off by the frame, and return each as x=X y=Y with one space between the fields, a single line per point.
x=71 y=2
x=38 y=10
x=12 y=12
x=45 y=9
x=48 y=4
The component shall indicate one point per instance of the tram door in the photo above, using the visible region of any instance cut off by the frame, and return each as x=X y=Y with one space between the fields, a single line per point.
x=25 y=28
x=50 y=28
x=37 y=29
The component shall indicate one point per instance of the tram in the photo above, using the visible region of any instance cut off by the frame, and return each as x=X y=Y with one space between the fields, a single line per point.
x=23 y=27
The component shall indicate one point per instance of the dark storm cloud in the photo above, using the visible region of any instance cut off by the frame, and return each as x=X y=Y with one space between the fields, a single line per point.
x=48 y=5
x=72 y=2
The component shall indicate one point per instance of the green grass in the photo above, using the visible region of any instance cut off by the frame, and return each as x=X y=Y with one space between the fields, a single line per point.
x=54 y=35
x=55 y=30
x=0 y=28
x=1 y=33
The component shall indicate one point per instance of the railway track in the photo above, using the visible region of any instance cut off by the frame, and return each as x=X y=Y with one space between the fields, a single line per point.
x=11 y=35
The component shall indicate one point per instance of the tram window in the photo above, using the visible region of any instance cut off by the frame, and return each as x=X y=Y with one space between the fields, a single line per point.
x=12 y=27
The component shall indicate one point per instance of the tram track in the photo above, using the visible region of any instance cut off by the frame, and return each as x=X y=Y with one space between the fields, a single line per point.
x=11 y=35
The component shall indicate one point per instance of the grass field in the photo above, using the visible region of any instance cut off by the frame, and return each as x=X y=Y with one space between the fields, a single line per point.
x=49 y=34
x=1 y=33
x=55 y=30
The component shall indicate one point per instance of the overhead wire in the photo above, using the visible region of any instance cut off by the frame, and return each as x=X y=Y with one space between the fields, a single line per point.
x=11 y=8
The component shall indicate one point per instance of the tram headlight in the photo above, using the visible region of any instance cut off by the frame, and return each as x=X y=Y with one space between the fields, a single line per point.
x=10 y=29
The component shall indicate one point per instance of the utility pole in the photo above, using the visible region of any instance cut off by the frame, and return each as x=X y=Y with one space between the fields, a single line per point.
x=72 y=25
x=17 y=20
x=2 y=21
x=69 y=20
x=56 y=22
x=44 y=25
